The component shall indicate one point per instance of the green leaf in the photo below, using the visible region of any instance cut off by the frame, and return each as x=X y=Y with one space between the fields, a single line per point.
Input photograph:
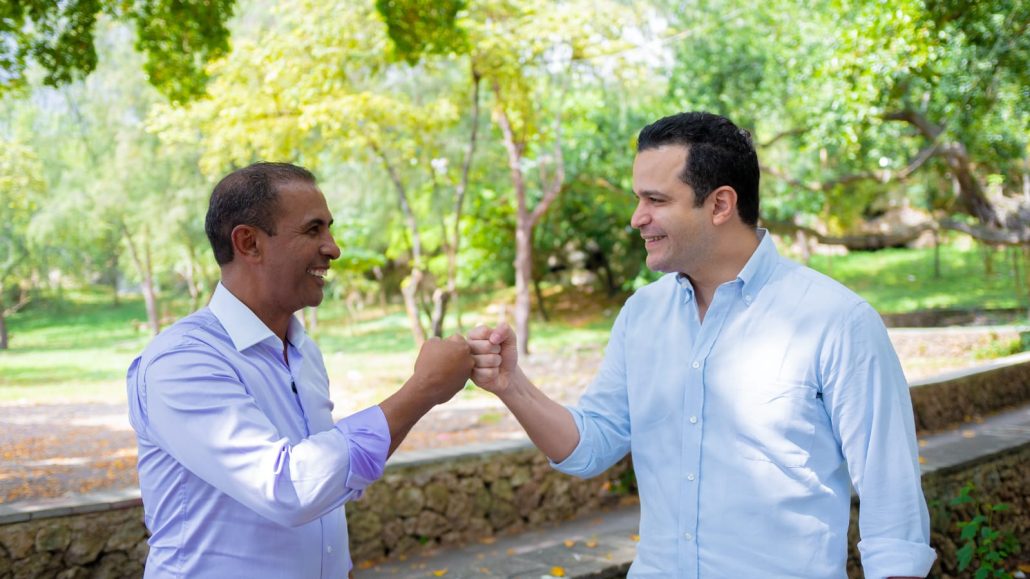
x=965 y=556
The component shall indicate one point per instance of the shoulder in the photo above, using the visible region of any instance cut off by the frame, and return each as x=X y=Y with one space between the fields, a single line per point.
x=816 y=290
x=200 y=329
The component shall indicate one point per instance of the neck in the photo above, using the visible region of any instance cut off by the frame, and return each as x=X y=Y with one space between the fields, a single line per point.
x=247 y=290
x=729 y=257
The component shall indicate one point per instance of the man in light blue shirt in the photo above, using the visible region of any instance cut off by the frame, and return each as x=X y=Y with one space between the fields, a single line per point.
x=242 y=470
x=751 y=391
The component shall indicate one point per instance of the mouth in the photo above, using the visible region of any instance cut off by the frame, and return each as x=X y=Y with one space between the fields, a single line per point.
x=652 y=239
x=318 y=272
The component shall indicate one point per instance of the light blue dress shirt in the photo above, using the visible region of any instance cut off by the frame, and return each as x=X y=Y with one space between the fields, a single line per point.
x=242 y=476
x=744 y=429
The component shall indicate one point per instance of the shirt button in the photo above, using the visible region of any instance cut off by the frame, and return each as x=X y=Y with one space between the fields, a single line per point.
x=696 y=364
x=328 y=548
x=693 y=419
x=747 y=298
x=690 y=476
x=688 y=536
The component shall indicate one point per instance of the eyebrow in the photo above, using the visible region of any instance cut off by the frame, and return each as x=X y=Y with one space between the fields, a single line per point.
x=318 y=221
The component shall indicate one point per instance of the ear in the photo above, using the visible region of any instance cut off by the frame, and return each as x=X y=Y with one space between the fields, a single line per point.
x=246 y=243
x=724 y=205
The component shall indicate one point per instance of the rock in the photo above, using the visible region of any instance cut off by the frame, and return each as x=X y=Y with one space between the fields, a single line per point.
x=37 y=565
x=367 y=550
x=431 y=525
x=16 y=541
x=393 y=531
x=408 y=501
x=459 y=508
x=5 y=562
x=73 y=573
x=406 y=545
x=502 y=515
x=502 y=490
x=520 y=475
x=437 y=496
x=482 y=502
x=364 y=526
x=477 y=529
x=85 y=548
x=528 y=497
x=126 y=536
x=112 y=566
x=53 y=538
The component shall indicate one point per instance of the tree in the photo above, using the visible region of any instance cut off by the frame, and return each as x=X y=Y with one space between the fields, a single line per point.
x=317 y=87
x=21 y=193
x=177 y=36
x=529 y=54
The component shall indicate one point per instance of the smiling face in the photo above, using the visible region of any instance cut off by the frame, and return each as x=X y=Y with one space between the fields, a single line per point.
x=677 y=235
x=295 y=260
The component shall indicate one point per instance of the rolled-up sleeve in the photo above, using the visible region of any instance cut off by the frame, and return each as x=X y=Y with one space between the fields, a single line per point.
x=368 y=443
x=871 y=413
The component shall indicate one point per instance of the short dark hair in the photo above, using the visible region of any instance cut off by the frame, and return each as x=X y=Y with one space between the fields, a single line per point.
x=247 y=196
x=718 y=153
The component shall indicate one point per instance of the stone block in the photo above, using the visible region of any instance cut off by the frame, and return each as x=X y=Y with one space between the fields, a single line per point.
x=53 y=537
x=408 y=501
x=85 y=547
x=364 y=526
x=392 y=533
x=431 y=525
x=126 y=536
x=436 y=495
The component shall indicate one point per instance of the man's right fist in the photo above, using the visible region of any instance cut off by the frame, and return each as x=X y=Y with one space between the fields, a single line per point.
x=443 y=367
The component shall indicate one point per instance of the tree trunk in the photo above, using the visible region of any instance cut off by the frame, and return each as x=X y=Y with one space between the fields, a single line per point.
x=523 y=281
x=144 y=267
x=440 y=299
x=409 y=290
x=540 y=304
x=413 y=284
x=3 y=329
x=526 y=219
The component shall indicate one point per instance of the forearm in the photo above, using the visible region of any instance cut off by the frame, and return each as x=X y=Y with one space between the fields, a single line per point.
x=548 y=424
x=403 y=409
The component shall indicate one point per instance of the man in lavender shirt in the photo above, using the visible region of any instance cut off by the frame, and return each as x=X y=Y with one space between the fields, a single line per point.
x=242 y=470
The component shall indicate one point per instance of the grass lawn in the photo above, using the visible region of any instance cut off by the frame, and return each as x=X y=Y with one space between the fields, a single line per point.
x=78 y=349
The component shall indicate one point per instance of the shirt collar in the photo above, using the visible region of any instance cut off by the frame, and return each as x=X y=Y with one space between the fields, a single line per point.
x=754 y=275
x=759 y=267
x=244 y=327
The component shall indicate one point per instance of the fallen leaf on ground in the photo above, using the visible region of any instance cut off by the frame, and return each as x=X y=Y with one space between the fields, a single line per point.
x=557 y=572
x=569 y=543
x=439 y=572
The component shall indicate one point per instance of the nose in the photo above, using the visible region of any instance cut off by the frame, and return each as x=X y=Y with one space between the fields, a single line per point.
x=330 y=249
x=640 y=216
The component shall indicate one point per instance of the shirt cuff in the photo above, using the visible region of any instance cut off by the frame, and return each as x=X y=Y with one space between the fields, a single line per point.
x=895 y=558
x=368 y=442
x=578 y=461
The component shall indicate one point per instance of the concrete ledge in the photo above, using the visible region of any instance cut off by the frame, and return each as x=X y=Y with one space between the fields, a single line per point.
x=955 y=398
x=63 y=506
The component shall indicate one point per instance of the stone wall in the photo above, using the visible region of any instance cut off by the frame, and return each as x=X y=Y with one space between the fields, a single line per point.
x=944 y=402
x=1000 y=478
x=426 y=499
x=110 y=544
x=462 y=495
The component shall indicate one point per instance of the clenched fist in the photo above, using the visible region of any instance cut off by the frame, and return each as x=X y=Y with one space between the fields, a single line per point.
x=443 y=367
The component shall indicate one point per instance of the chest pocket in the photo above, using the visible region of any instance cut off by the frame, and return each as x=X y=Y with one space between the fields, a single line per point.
x=777 y=423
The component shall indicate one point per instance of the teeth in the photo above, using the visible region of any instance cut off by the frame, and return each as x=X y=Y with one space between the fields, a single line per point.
x=318 y=272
